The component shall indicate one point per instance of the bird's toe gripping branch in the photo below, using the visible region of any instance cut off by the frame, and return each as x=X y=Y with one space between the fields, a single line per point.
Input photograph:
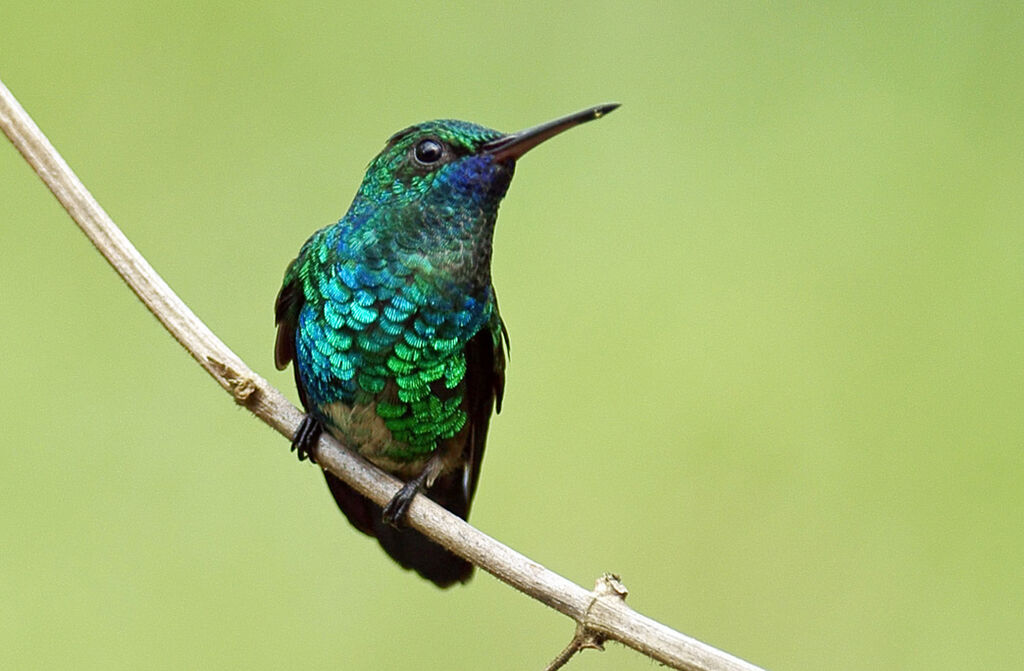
x=306 y=436
x=398 y=507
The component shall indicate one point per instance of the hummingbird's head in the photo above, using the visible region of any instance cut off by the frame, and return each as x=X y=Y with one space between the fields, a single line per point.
x=435 y=188
x=457 y=166
x=437 y=169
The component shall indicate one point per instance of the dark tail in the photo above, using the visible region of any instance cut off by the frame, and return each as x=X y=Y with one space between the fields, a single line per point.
x=407 y=546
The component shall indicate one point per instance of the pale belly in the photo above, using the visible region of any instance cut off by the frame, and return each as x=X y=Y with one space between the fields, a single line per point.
x=360 y=428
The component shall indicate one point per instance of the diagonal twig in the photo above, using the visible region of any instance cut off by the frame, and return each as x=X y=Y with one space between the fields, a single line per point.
x=602 y=618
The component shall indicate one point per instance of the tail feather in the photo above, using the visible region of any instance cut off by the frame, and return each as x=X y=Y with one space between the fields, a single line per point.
x=407 y=546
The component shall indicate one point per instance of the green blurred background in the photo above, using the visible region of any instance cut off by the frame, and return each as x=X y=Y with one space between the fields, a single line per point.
x=767 y=324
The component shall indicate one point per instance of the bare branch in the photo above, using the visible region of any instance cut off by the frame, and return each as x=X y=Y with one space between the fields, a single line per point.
x=598 y=617
x=607 y=586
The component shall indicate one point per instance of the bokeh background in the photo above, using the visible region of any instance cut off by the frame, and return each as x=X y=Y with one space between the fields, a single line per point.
x=767 y=330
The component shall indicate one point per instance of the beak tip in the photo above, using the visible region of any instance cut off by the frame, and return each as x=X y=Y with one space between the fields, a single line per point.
x=514 y=145
x=607 y=108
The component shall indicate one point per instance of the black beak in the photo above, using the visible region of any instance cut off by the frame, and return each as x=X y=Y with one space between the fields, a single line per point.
x=512 y=146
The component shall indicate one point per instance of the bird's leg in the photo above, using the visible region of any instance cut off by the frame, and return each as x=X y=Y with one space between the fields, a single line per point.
x=397 y=508
x=306 y=436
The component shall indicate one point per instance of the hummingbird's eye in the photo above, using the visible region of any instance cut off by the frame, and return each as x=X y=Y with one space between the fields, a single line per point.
x=429 y=151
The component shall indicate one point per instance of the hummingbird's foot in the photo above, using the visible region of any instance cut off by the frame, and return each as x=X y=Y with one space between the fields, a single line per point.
x=306 y=436
x=398 y=507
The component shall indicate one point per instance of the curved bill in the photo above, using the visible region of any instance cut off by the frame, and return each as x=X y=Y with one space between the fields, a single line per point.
x=514 y=145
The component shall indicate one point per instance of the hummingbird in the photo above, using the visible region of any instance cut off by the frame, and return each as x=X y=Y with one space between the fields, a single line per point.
x=391 y=324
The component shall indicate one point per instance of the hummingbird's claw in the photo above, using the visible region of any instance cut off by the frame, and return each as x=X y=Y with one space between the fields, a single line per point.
x=305 y=438
x=398 y=507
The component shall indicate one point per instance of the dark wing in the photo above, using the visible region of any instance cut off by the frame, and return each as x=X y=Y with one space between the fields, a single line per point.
x=485 y=384
x=286 y=316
